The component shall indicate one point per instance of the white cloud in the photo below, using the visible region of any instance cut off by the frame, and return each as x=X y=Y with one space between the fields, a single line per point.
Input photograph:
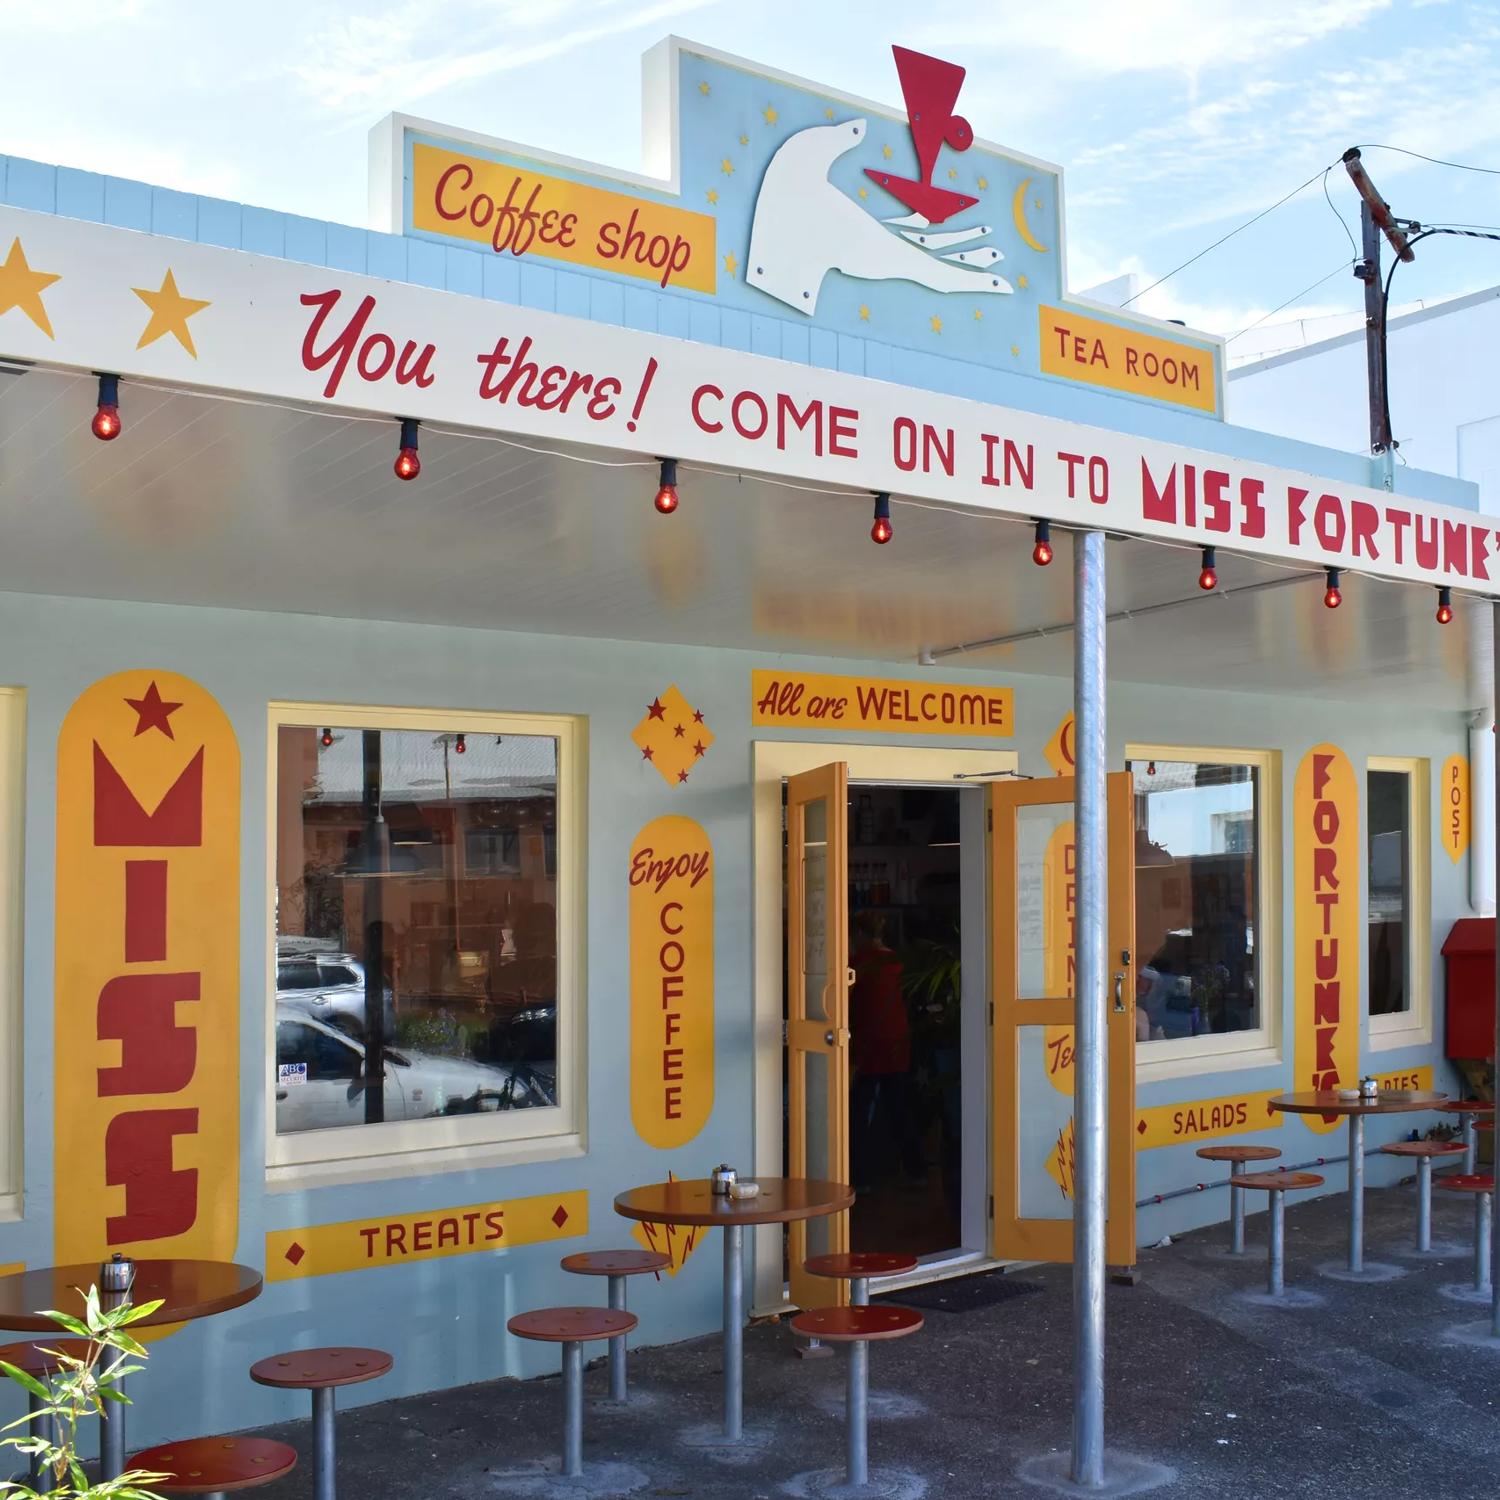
x=20 y=18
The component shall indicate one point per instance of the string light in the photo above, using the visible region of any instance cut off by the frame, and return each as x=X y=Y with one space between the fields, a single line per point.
x=1445 y=605
x=106 y=423
x=1041 y=554
x=882 y=531
x=1333 y=595
x=1151 y=768
x=408 y=465
x=1209 y=578
x=460 y=745
x=666 y=494
x=326 y=739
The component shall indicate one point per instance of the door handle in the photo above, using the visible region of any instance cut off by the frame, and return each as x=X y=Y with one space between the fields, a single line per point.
x=828 y=1036
x=1120 y=990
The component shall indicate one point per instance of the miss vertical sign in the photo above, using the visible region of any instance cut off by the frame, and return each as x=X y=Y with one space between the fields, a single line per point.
x=671 y=981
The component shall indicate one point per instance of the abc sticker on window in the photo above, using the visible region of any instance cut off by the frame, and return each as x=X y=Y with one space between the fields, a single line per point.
x=671 y=981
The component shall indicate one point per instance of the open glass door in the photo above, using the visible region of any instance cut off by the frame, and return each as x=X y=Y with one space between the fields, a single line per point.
x=1034 y=886
x=817 y=1028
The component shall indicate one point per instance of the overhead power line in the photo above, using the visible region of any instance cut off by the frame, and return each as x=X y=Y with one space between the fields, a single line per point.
x=1437 y=161
x=1342 y=266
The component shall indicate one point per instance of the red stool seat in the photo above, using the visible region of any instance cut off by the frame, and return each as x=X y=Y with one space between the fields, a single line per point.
x=860 y=1263
x=38 y=1357
x=313 y=1369
x=1467 y=1107
x=1238 y=1153
x=615 y=1262
x=571 y=1325
x=1457 y=1182
x=1424 y=1148
x=202 y=1466
x=851 y=1325
x=1277 y=1182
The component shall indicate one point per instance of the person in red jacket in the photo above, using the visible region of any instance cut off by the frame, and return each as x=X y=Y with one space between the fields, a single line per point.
x=880 y=1049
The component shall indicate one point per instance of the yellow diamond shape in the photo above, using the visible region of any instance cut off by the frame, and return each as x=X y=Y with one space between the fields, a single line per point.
x=673 y=736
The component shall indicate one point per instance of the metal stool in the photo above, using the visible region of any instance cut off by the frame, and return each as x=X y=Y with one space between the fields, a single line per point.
x=321 y=1371
x=617 y=1265
x=1481 y=1185
x=857 y=1326
x=572 y=1327
x=1278 y=1184
x=215 y=1465
x=858 y=1268
x=1237 y=1156
x=38 y=1358
x=1472 y=1111
x=1424 y=1153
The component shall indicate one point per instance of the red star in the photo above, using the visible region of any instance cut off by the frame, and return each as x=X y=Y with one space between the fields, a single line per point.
x=152 y=712
x=682 y=776
x=656 y=709
x=679 y=731
x=697 y=716
x=648 y=753
x=699 y=748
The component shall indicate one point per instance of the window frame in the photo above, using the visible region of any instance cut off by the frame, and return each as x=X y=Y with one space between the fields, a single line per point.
x=1411 y=1027
x=12 y=934
x=1261 y=1045
x=355 y=1153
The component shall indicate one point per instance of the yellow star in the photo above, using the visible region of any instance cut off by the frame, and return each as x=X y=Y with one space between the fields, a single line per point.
x=22 y=287
x=979 y=315
x=1023 y=281
x=1015 y=348
x=937 y=324
x=704 y=89
x=744 y=140
x=984 y=182
x=170 y=311
x=828 y=114
x=864 y=192
x=885 y=151
x=1036 y=202
x=713 y=195
x=727 y=167
x=864 y=313
x=730 y=263
x=770 y=115
x=952 y=174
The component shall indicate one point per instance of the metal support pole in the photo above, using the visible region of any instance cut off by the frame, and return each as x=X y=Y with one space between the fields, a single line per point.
x=734 y=1332
x=1091 y=816
x=859 y=1291
x=1356 y=1192
x=572 y=1362
x=1276 y=1253
x=1482 y=1277
x=1490 y=1208
x=325 y=1469
x=1424 y=1204
x=1471 y=1147
x=112 y=1430
x=1236 y=1211
x=40 y=1474
x=858 y=1413
x=617 y=1345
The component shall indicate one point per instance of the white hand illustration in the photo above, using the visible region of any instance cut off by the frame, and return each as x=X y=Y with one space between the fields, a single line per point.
x=805 y=227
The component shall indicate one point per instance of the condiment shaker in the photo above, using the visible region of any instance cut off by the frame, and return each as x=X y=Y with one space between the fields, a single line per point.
x=723 y=1176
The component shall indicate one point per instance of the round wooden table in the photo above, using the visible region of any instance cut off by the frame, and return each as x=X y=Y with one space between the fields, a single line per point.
x=1326 y=1102
x=781 y=1200
x=187 y=1289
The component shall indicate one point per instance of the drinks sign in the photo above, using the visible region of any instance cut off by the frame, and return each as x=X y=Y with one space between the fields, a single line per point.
x=671 y=981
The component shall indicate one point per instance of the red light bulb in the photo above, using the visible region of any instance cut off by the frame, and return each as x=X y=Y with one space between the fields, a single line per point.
x=666 y=499
x=1333 y=596
x=408 y=465
x=326 y=738
x=1445 y=606
x=1208 y=579
x=460 y=745
x=882 y=531
x=106 y=423
x=1041 y=554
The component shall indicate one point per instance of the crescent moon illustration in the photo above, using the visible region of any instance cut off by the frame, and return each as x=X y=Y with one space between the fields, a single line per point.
x=1018 y=210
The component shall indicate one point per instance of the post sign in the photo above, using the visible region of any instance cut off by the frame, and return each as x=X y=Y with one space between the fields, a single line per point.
x=671 y=981
x=810 y=700
x=146 y=1097
x=1453 y=831
x=1327 y=934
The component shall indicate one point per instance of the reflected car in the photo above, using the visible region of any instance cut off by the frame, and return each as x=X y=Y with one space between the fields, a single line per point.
x=329 y=987
x=319 y=1072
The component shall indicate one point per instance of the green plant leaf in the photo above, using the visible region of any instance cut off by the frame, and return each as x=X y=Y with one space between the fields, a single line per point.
x=25 y=1381
x=71 y=1324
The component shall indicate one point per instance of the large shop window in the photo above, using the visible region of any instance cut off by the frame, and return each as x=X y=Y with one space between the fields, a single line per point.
x=1397 y=951
x=12 y=813
x=426 y=933
x=1205 y=914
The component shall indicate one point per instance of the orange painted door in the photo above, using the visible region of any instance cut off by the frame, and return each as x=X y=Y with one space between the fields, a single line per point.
x=817 y=1024
x=1033 y=851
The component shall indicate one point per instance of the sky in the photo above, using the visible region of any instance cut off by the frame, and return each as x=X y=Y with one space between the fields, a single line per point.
x=1175 y=120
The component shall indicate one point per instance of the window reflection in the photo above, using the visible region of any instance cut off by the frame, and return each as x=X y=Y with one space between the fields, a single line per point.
x=416 y=922
x=1389 y=799
x=1196 y=887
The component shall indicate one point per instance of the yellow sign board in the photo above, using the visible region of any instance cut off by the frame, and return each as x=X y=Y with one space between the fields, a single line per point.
x=810 y=700
x=466 y=196
x=1097 y=352
x=1410 y=1078
x=396 y=1239
x=146 y=1090
x=1327 y=937
x=1454 y=827
x=12 y=1268
x=1204 y=1119
x=671 y=981
x=676 y=1241
x=1059 y=749
x=1060 y=947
